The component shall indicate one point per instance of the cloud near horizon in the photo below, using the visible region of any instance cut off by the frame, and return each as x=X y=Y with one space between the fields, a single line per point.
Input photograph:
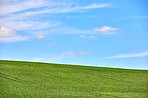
x=69 y=53
x=145 y=53
x=75 y=53
x=65 y=54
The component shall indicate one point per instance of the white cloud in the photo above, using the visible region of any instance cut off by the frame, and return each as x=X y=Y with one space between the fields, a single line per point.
x=17 y=14
x=145 y=53
x=48 y=6
x=53 y=7
x=68 y=9
x=56 y=57
x=88 y=37
x=13 y=38
x=23 y=15
x=9 y=35
x=16 y=6
x=6 y=32
x=78 y=8
x=40 y=36
x=105 y=30
x=93 y=6
x=27 y=25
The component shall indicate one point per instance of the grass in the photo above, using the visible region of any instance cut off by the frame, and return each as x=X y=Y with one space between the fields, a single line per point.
x=45 y=80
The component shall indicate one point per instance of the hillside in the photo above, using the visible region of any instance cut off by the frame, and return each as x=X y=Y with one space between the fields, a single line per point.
x=42 y=80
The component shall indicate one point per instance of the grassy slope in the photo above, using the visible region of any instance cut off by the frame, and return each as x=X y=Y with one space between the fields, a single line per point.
x=28 y=79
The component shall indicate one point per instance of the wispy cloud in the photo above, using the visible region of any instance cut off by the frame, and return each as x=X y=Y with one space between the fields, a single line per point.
x=145 y=53
x=7 y=32
x=15 y=38
x=17 y=6
x=65 y=9
x=17 y=11
x=88 y=37
x=105 y=30
x=94 y=5
x=26 y=24
x=79 y=8
x=69 y=53
x=52 y=57
x=10 y=35
x=23 y=15
x=46 y=6
x=58 y=56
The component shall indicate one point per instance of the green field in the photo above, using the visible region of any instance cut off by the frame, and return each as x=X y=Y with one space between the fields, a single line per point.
x=45 y=80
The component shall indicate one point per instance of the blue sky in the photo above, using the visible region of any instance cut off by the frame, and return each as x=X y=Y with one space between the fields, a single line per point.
x=106 y=33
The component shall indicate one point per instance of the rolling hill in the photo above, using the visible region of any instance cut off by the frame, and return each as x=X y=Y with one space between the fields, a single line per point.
x=19 y=79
